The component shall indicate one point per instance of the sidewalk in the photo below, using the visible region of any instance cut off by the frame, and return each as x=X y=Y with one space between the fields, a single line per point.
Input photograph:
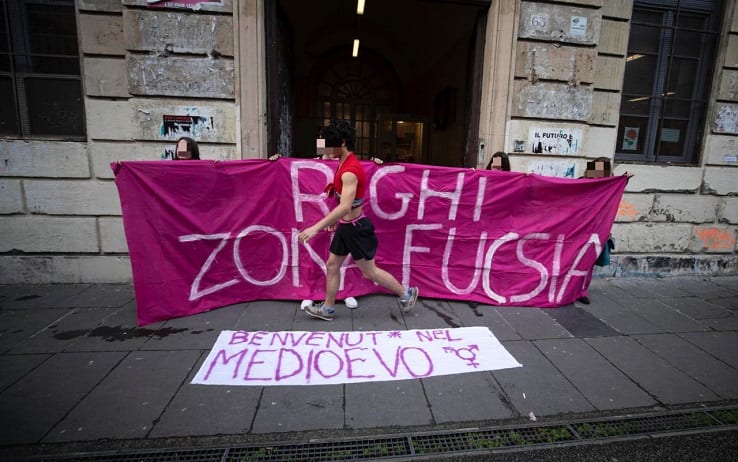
x=77 y=372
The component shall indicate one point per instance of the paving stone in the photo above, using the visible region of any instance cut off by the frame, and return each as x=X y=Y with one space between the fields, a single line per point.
x=269 y=316
x=694 y=362
x=705 y=288
x=620 y=318
x=653 y=288
x=101 y=296
x=55 y=337
x=579 y=322
x=605 y=289
x=32 y=296
x=198 y=332
x=670 y=320
x=730 y=303
x=16 y=326
x=466 y=397
x=35 y=403
x=728 y=323
x=377 y=313
x=604 y=386
x=299 y=408
x=432 y=314
x=652 y=373
x=538 y=386
x=116 y=332
x=130 y=399
x=696 y=308
x=722 y=345
x=727 y=282
x=533 y=323
x=208 y=409
x=645 y=288
x=380 y=404
x=14 y=367
x=485 y=316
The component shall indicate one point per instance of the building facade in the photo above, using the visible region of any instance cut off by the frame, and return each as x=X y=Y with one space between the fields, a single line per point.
x=651 y=85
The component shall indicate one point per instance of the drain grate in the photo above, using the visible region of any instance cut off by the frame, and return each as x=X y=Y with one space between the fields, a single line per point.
x=645 y=425
x=375 y=448
x=432 y=443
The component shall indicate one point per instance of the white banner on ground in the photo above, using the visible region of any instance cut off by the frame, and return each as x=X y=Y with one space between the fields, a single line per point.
x=320 y=358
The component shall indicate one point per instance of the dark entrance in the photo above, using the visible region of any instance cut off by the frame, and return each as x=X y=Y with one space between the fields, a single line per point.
x=412 y=92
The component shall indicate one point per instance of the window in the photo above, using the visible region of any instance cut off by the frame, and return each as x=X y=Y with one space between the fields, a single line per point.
x=358 y=90
x=668 y=73
x=39 y=70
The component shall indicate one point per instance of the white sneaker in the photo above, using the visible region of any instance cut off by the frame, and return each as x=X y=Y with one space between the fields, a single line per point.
x=304 y=304
x=351 y=303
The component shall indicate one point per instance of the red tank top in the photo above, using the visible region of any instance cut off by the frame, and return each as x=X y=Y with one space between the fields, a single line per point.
x=352 y=165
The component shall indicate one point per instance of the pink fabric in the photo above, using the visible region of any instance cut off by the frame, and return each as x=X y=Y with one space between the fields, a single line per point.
x=204 y=234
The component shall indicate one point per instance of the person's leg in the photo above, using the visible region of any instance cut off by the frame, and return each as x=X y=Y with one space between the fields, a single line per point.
x=325 y=310
x=587 y=281
x=408 y=296
x=333 y=277
x=375 y=274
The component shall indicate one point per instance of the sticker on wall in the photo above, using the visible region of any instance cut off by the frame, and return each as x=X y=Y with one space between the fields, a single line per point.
x=578 y=26
x=191 y=4
x=554 y=140
x=630 y=138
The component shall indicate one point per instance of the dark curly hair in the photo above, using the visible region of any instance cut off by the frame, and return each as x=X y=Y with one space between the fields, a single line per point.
x=338 y=132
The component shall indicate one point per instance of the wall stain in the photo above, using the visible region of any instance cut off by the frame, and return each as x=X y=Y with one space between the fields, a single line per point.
x=627 y=210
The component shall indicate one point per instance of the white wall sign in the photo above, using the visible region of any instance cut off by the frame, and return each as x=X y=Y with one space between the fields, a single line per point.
x=578 y=26
x=554 y=140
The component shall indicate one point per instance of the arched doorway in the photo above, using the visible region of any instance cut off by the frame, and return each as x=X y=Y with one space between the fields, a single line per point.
x=359 y=90
x=413 y=92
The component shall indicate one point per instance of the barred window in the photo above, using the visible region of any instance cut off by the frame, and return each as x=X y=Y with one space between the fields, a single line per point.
x=668 y=71
x=40 y=80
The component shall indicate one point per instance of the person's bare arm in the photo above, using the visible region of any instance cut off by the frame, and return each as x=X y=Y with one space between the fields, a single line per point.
x=350 y=183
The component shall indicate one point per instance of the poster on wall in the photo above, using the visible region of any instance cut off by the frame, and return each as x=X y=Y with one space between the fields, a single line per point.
x=193 y=4
x=630 y=139
x=185 y=125
x=554 y=140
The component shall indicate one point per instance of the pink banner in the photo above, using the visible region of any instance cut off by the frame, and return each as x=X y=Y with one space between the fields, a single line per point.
x=204 y=234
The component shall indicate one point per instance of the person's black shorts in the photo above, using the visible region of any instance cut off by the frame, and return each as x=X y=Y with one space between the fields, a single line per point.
x=356 y=238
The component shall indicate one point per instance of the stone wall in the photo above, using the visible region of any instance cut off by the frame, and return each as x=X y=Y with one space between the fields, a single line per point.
x=61 y=215
x=569 y=70
x=59 y=209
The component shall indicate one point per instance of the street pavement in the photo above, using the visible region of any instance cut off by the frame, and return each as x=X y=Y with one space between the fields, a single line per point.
x=76 y=374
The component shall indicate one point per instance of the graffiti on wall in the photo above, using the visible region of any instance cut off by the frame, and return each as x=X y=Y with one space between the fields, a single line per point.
x=715 y=239
x=192 y=124
x=553 y=168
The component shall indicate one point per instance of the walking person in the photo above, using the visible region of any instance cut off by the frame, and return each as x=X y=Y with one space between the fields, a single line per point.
x=354 y=232
x=350 y=302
